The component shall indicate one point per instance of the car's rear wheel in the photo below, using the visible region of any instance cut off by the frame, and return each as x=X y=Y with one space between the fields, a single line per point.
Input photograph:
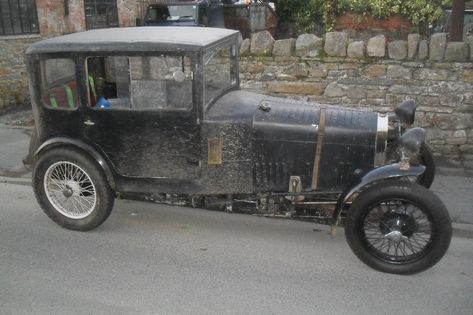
x=71 y=189
x=398 y=227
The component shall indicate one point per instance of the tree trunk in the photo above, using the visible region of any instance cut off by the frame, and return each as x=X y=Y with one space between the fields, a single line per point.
x=456 y=29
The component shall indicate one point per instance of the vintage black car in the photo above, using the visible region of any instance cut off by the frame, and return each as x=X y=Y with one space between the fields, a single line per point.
x=157 y=112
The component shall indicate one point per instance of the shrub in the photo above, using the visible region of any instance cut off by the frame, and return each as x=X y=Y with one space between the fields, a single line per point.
x=306 y=15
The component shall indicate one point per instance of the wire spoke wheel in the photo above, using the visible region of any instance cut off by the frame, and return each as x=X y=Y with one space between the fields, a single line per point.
x=398 y=227
x=70 y=190
x=397 y=231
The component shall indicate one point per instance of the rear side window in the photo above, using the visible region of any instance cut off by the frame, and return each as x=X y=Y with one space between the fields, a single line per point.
x=59 y=85
x=162 y=82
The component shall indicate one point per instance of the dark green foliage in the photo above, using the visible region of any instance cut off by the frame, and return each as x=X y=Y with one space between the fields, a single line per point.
x=307 y=16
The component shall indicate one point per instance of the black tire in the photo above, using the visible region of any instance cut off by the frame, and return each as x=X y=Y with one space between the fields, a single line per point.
x=400 y=214
x=427 y=159
x=79 y=201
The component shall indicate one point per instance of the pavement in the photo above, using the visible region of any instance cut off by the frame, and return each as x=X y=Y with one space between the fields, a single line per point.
x=453 y=184
x=158 y=259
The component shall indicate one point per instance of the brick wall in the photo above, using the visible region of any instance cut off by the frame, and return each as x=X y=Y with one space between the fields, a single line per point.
x=395 y=25
x=127 y=12
x=52 y=20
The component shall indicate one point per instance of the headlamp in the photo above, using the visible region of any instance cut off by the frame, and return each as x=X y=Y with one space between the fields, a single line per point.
x=406 y=112
x=411 y=141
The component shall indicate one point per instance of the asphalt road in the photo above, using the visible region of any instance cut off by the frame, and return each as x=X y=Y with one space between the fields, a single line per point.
x=14 y=144
x=154 y=259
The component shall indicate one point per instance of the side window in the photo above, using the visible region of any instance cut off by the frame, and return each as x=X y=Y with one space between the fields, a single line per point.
x=108 y=82
x=140 y=83
x=161 y=82
x=59 y=86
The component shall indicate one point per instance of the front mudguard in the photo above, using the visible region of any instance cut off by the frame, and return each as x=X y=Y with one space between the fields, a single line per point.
x=390 y=171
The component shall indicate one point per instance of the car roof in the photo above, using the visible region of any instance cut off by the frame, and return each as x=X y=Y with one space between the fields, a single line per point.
x=148 y=38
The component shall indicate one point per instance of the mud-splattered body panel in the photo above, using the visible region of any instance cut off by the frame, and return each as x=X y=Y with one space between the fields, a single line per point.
x=263 y=146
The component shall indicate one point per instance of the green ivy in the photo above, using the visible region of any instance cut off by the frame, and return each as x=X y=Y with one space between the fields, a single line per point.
x=305 y=15
x=417 y=11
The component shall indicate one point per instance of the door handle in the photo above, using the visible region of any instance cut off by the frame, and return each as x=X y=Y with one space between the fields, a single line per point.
x=89 y=122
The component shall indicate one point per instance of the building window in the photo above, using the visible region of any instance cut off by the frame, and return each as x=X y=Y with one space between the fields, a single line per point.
x=18 y=17
x=101 y=14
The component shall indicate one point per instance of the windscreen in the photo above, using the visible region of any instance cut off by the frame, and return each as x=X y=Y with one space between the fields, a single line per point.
x=219 y=72
x=172 y=13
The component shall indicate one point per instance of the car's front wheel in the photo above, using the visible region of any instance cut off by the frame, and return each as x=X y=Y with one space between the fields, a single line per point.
x=398 y=227
x=71 y=189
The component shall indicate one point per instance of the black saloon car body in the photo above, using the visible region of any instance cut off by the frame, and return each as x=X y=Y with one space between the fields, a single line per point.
x=158 y=112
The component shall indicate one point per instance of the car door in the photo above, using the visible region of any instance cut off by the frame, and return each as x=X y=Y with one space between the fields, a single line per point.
x=57 y=94
x=141 y=114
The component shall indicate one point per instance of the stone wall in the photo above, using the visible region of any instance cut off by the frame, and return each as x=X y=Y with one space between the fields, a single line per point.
x=373 y=75
x=13 y=79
